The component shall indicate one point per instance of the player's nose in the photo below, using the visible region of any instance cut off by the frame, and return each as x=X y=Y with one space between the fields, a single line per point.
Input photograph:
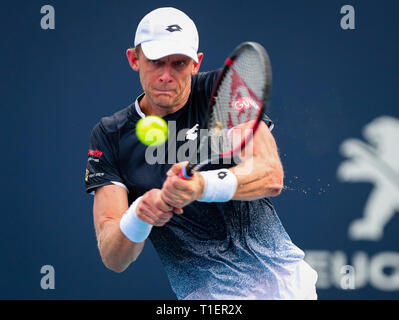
x=166 y=74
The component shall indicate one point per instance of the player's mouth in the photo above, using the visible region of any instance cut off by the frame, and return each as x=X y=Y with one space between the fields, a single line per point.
x=167 y=92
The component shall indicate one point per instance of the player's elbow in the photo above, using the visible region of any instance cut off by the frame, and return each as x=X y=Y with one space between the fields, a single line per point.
x=113 y=266
x=117 y=262
x=275 y=182
x=116 y=269
x=274 y=191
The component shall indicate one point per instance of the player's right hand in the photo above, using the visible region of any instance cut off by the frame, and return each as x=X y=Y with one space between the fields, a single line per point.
x=153 y=210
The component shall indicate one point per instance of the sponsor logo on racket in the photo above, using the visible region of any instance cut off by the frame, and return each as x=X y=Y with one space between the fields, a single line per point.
x=244 y=103
x=243 y=98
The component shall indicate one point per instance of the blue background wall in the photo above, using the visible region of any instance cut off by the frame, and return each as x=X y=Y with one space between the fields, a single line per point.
x=56 y=84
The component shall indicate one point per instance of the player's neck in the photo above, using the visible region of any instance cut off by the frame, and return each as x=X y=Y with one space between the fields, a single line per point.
x=149 y=108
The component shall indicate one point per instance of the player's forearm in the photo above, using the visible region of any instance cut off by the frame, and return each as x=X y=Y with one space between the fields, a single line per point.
x=257 y=190
x=261 y=172
x=117 y=251
x=257 y=179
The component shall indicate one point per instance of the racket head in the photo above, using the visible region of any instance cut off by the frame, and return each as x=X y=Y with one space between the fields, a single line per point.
x=241 y=94
x=239 y=98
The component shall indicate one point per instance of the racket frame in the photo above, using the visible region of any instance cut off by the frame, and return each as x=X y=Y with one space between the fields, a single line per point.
x=187 y=172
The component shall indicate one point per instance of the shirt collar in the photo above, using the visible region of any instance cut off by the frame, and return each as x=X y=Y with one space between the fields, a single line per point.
x=136 y=104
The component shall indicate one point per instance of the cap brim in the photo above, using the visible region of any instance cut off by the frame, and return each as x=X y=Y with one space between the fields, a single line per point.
x=154 y=50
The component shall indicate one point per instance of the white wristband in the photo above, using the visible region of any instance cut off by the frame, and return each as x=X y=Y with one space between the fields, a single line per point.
x=132 y=227
x=220 y=185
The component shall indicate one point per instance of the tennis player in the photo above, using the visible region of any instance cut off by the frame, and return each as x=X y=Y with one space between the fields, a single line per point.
x=217 y=235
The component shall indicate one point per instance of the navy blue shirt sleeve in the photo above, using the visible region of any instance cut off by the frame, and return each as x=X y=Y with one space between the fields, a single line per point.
x=102 y=168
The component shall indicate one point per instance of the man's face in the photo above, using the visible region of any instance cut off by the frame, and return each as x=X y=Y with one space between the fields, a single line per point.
x=166 y=81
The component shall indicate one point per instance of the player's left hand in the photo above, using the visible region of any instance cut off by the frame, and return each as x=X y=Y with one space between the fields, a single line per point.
x=178 y=192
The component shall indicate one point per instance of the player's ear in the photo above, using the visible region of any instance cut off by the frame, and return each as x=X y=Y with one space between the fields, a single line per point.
x=133 y=59
x=196 y=65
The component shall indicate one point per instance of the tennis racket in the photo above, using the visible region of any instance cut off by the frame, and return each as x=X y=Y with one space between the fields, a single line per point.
x=238 y=99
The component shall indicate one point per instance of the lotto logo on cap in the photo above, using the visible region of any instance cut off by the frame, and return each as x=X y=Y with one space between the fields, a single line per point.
x=167 y=31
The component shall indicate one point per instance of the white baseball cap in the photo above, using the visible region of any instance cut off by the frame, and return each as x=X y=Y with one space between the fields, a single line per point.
x=167 y=31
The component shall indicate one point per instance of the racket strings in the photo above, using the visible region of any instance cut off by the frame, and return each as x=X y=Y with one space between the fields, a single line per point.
x=238 y=99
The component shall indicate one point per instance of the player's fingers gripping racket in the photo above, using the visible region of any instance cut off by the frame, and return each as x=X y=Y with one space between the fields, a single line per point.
x=238 y=100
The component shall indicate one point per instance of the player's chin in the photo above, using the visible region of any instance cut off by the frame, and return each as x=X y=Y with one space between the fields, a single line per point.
x=164 y=101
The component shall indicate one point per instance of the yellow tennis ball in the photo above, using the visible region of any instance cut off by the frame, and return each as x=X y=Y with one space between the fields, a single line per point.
x=152 y=130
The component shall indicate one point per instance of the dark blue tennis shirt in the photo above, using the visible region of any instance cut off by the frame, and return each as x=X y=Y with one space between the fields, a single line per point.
x=230 y=250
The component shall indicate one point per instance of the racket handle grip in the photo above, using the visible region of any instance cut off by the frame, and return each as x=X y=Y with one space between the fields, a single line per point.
x=185 y=174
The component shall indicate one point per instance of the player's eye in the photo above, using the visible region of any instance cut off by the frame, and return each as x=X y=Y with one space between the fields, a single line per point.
x=180 y=63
